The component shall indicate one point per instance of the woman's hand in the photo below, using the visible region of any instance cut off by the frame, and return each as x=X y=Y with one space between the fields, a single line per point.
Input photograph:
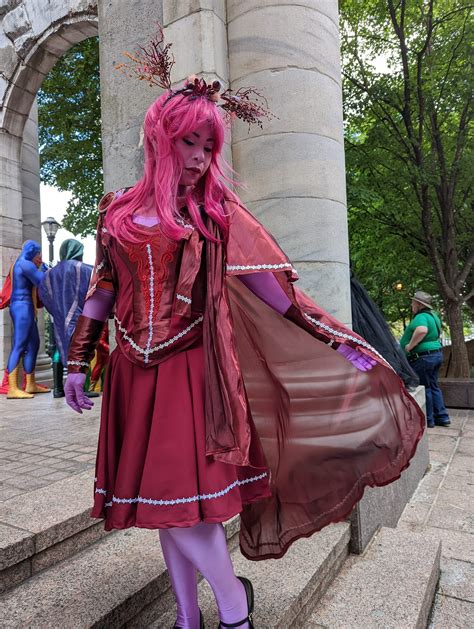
x=74 y=390
x=358 y=359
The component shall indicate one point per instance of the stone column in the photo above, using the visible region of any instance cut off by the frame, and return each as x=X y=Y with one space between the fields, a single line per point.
x=197 y=30
x=122 y=27
x=30 y=179
x=11 y=229
x=294 y=167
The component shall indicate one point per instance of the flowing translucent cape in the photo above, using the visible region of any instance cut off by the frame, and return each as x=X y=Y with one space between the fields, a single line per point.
x=327 y=429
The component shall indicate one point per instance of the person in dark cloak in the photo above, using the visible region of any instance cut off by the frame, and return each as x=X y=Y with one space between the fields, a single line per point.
x=369 y=322
x=63 y=293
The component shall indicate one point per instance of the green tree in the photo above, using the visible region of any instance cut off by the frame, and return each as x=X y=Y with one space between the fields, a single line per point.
x=408 y=102
x=70 y=133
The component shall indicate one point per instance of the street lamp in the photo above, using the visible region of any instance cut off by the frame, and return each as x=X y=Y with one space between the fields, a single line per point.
x=51 y=226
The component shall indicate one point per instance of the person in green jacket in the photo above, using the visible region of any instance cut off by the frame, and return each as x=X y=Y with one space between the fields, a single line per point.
x=421 y=341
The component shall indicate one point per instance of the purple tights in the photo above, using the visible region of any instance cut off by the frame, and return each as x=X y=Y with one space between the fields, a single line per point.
x=202 y=547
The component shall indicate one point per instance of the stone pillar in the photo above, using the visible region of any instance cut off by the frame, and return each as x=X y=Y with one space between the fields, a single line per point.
x=31 y=214
x=294 y=167
x=30 y=179
x=122 y=27
x=197 y=30
x=11 y=228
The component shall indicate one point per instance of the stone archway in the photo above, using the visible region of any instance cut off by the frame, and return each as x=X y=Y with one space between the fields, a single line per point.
x=34 y=34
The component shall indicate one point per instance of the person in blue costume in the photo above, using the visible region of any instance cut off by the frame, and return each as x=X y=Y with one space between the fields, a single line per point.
x=62 y=293
x=20 y=294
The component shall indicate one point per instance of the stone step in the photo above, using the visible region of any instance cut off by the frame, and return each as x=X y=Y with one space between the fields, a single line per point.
x=122 y=581
x=107 y=584
x=46 y=526
x=287 y=589
x=392 y=585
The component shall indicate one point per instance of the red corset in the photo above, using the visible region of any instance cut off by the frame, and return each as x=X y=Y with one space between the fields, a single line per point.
x=159 y=292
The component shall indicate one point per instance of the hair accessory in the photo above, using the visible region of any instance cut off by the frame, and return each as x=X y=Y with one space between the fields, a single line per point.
x=153 y=64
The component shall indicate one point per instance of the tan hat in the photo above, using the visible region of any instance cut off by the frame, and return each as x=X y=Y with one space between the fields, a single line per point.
x=423 y=298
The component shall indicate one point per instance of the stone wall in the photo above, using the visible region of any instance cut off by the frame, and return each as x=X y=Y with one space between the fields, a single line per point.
x=34 y=34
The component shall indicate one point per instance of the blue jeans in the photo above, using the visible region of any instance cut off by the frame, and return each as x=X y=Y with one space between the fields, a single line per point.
x=427 y=368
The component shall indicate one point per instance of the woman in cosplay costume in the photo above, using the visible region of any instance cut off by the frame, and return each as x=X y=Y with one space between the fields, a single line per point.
x=20 y=293
x=229 y=391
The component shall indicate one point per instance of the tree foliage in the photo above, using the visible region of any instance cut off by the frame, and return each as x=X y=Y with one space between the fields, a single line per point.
x=70 y=134
x=408 y=106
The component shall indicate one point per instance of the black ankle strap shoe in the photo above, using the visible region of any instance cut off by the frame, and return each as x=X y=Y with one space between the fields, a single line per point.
x=250 y=602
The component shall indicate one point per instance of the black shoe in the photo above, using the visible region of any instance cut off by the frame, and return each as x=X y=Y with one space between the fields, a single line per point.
x=443 y=422
x=91 y=394
x=201 y=622
x=430 y=424
x=58 y=370
x=250 y=600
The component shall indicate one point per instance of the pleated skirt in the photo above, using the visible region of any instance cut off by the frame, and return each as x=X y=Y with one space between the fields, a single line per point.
x=152 y=470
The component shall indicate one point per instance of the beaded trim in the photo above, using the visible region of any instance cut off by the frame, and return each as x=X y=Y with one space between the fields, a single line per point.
x=183 y=224
x=177 y=501
x=152 y=302
x=80 y=363
x=257 y=267
x=173 y=339
x=343 y=335
x=100 y=265
x=183 y=298
x=156 y=348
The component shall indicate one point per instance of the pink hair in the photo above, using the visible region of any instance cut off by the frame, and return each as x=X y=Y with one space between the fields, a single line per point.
x=166 y=120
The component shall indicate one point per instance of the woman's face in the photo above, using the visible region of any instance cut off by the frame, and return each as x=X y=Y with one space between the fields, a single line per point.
x=195 y=151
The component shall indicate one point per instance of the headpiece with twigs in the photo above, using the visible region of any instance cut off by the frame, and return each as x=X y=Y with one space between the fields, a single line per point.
x=153 y=63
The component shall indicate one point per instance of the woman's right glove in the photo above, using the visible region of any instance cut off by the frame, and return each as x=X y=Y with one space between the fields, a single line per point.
x=74 y=390
x=81 y=351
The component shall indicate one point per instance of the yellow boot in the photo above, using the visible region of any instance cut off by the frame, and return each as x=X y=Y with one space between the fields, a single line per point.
x=14 y=391
x=32 y=386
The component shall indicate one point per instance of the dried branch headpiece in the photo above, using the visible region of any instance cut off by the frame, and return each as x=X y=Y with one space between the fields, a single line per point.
x=153 y=63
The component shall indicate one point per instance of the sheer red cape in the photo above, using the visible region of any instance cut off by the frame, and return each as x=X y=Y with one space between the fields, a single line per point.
x=327 y=429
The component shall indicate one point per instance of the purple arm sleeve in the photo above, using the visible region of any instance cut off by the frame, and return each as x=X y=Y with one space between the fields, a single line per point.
x=267 y=288
x=99 y=305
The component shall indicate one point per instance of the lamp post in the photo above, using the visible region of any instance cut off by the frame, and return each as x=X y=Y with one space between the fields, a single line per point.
x=51 y=226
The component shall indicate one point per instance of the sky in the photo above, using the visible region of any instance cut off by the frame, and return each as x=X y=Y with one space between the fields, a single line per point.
x=53 y=203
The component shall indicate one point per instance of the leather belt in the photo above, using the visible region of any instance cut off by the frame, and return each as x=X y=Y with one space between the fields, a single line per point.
x=419 y=354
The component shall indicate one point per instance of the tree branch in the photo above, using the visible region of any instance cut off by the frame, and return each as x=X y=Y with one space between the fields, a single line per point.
x=462 y=277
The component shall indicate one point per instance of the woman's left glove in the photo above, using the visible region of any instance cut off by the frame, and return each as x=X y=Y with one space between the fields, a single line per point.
x=358 y=359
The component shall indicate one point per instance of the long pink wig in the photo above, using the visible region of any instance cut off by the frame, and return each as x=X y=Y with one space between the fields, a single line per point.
x=167 y=120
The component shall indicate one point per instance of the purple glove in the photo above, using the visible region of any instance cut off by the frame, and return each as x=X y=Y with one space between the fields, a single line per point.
x=74 y=390
x=358 y=359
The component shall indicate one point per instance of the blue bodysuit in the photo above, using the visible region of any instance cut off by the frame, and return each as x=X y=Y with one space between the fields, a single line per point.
x=25 y=277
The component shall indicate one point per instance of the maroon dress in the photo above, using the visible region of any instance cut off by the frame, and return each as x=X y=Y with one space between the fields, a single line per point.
x=152 y=470
x=215 y=404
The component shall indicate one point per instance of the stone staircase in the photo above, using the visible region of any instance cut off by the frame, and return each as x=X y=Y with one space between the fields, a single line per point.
x=58 y=569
